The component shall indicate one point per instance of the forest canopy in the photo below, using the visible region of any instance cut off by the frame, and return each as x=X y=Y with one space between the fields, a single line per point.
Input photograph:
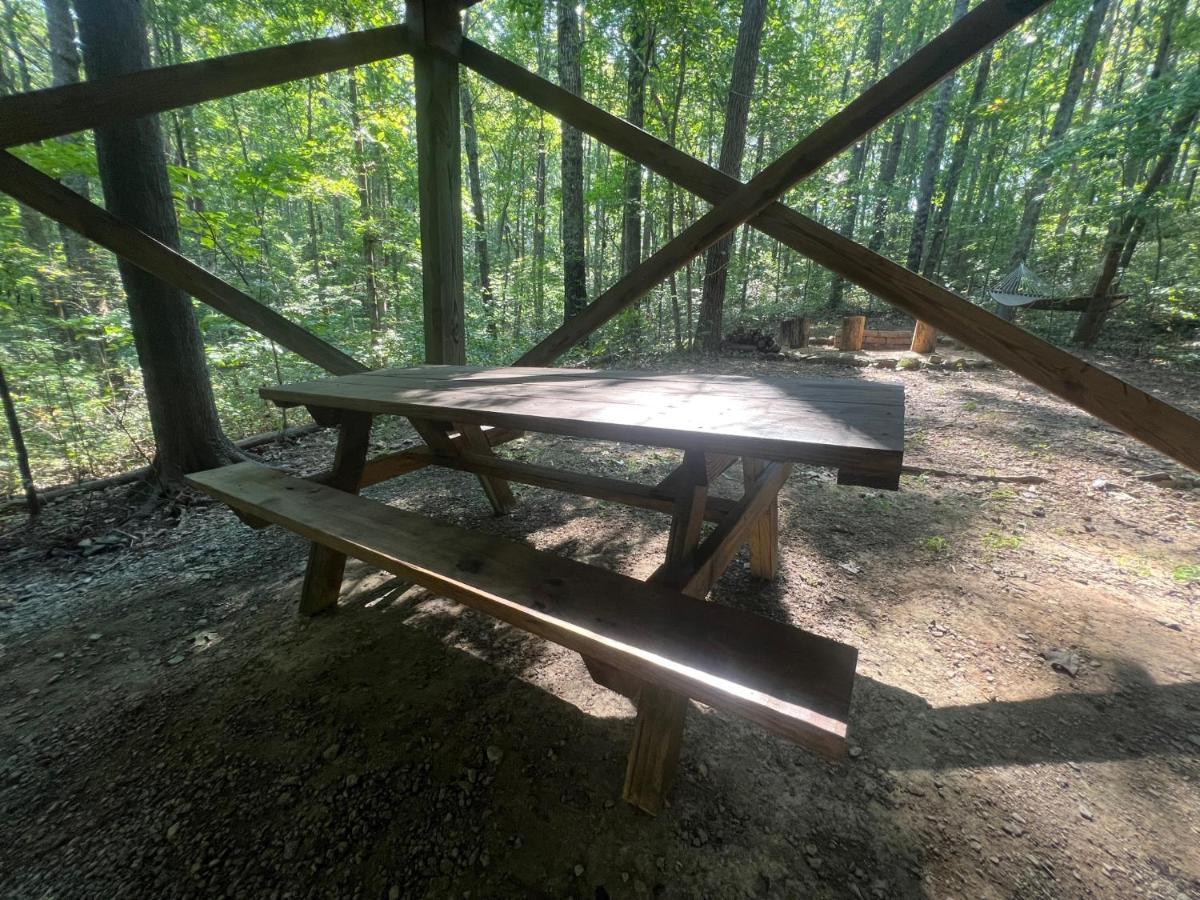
x=1069 y=147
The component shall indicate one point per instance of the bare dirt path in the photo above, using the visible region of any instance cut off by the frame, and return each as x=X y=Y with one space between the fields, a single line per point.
x=169 y=727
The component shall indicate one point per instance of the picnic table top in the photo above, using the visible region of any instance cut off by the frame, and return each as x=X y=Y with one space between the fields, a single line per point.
x=845 y=423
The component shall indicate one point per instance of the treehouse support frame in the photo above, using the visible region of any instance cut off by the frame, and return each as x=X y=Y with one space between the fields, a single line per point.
x=432 y=35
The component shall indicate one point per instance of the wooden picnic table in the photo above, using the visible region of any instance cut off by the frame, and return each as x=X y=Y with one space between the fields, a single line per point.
x=657 y=641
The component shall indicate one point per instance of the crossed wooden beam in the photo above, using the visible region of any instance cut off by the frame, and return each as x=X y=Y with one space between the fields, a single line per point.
x=63 y=110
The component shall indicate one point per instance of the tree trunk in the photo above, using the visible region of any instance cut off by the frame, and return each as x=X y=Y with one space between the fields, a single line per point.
x=858 y=156
x=32 y=501
x=478 y=219
x=1122 y=243
x=571 y=79
x=638 y=56
x=733 y=146
x=539 y=203
x=958 y=159
x=375 y=302
x=939 y=120
x=1039 y=184
x=133 y=173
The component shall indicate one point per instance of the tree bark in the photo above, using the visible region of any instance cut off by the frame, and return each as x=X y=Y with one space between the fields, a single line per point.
x=939 y=120
x=1121 y=244
x=1039 y=184
x=958 y=159
x=478 y=216
x=733 y=147
x=858 y=156
x=376 y=302
x=32 y=501
x=571 y=79
x=133 y=173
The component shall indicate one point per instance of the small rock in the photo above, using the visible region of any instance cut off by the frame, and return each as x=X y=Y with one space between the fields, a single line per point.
x=172 y=831
x=1087 y=813
x=175 y=660
x=394 y=892
x=856 y=752
x=578 y=870
x=331 y=752
x=94 y=636
x=1195 y=739
x=494 y=754
x=1013 y=829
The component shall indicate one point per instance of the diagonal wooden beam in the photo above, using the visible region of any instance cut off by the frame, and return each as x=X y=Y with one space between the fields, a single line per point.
x=925 y=68
x=41 y=192
x=77 y=107
x=1136 y=412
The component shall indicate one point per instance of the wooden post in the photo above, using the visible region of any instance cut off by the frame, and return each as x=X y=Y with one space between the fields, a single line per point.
x=794 y=331
x=851 y=337
x=924 y=338
x=764 y=536
x=323 y=577
x=439 y=178
x=32 y=501
x=658 y=732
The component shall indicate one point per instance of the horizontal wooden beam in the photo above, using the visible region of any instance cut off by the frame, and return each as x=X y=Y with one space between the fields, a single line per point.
x=42 y=193
x=1136 y=412
x=628 y=492
x=76 y=107
x=989 y=20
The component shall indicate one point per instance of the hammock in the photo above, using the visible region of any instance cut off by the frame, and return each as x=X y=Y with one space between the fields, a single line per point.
x=1023 y=286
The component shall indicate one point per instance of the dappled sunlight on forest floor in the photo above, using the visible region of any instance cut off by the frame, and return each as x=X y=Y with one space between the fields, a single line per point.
x=173 y=729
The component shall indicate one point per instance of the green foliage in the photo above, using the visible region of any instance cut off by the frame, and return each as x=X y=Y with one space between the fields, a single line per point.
x=1189 y=573
x=279 y=191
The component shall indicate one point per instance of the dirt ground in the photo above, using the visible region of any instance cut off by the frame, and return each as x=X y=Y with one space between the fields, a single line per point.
x=169 y=727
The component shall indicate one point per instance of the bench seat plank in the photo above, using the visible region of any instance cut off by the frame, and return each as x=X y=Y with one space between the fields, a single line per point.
x=791 y=682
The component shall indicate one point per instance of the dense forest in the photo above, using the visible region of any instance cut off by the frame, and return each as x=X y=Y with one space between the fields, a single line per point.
x=1069 y=147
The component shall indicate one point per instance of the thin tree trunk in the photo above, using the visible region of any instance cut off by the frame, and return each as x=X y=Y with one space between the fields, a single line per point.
x=133 y=173
x=858 y=156
x=376 y=302
x=958 y=158
x=1039 y=184
x=1120 y=246
x=733 y=146
x=479 y=220
x=571 y=79
x=32 y=501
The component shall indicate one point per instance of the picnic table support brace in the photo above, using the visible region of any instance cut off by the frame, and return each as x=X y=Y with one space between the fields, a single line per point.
x=764 y=536
x=323 y=576
x=437 y=436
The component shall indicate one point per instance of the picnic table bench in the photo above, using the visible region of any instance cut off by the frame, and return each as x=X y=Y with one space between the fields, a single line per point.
x=658 y=641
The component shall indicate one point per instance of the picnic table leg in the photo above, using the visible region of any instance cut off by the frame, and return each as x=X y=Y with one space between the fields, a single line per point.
x=323 y=577
x=764 y=536
x=658 y=731
x=437 y=436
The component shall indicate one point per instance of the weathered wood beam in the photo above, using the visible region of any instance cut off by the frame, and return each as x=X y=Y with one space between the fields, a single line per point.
x=49 y=197
x=76 y=107
x=925 y=68
x=617 y=490
x=696 y=574
x=1136 y=412
x=439 y=182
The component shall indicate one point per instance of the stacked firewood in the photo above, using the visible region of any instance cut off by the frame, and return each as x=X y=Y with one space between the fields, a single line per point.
x=749 y=340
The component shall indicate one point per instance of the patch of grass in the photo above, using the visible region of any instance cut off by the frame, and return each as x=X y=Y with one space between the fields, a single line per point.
x=917 y=439
x=1187 y=573
x=935 y=544
x=1135 y=566
x=1002 y=494
x=994 y=540
x=970 y=406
